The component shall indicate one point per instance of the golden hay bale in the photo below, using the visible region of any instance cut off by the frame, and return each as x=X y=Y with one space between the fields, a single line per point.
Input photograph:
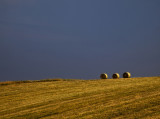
x=104 y=76
x=116 y=76
x=126 y=75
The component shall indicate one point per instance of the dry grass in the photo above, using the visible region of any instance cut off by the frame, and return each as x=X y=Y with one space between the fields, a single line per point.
x=32 y=81
x=96 y=99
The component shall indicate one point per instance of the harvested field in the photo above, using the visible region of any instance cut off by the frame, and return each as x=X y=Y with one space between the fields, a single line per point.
x=88 y=99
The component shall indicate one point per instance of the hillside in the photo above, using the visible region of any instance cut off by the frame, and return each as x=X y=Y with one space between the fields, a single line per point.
x=75 y=99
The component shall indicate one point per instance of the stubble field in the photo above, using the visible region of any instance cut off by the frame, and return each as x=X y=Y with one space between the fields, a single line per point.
x=81 y=99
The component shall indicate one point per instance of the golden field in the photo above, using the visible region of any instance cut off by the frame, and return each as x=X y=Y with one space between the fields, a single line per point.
x=132 y=98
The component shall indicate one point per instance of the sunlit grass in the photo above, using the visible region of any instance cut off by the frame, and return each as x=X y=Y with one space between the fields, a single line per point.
x=72 y=99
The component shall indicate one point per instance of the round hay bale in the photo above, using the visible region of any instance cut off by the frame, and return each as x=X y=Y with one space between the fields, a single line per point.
x=116 y=76
x=104 y=76
x=126 y=75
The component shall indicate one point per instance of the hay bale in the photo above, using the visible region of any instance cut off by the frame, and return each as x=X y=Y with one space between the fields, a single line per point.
x=104 y=76
x=116 y=76
x=126 y=75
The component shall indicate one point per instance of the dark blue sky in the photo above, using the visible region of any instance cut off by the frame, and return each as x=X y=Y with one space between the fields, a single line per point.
x=78 y=38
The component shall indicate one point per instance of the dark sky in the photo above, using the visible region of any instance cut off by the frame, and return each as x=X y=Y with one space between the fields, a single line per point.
x=78 y=39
